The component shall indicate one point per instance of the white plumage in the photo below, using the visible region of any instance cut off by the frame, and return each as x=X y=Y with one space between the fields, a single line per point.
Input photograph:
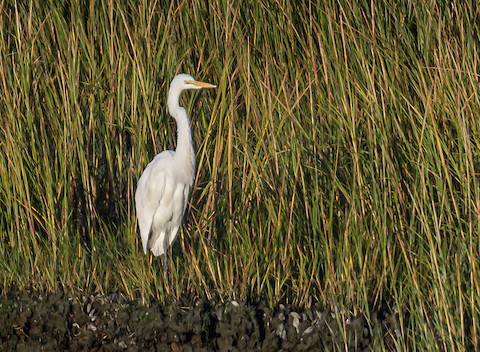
x=162 y=191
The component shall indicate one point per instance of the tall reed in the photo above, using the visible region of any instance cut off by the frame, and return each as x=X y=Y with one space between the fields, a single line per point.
x=337 y=159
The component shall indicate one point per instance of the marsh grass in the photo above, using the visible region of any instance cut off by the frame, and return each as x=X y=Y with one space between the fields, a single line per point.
x=337 y=159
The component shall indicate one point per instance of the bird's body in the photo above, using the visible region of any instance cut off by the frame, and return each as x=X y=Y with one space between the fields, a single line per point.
x=163 y=189
x=161 y=199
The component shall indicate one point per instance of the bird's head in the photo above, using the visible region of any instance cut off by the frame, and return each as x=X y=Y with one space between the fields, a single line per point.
x=184 y=81
x=179 y=84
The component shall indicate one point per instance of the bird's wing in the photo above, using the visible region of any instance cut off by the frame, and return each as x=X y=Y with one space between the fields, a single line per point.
x=168 y=216
x=150 y=190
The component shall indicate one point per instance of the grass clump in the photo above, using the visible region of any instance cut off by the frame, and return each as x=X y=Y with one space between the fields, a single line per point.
x=337 y=159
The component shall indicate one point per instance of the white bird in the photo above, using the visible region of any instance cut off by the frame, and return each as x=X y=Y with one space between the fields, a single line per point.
x=162 y=190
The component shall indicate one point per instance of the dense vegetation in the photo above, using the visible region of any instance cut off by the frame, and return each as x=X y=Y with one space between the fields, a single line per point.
x=338 y=159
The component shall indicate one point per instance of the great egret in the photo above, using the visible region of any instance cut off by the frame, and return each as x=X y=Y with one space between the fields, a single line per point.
x=163 y=188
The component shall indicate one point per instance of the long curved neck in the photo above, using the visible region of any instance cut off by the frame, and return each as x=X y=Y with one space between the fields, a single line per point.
x=184 y=134
x=184 y=151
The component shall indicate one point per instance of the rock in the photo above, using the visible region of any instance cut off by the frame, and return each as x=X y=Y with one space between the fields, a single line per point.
x=109 y=323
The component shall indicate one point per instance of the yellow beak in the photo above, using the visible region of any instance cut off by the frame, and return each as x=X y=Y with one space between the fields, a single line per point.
x=201 y=84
